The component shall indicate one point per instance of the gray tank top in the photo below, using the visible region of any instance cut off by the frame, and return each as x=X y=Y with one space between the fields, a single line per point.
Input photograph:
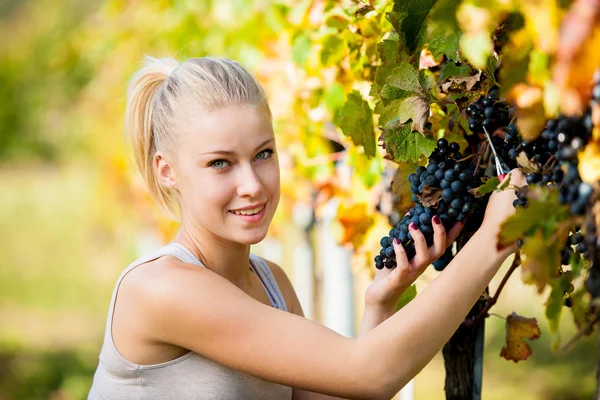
x=191 y=376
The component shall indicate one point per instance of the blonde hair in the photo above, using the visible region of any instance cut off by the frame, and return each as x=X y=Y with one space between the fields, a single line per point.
x=158 y=95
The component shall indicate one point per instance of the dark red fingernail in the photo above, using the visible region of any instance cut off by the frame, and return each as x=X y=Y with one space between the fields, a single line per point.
x=396 y=240
x=436 y=220
x=413 y=226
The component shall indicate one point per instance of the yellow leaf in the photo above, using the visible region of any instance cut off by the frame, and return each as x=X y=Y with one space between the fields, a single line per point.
x=529 y=111
x=517 y=329
x=589 y=163
x=355 y=222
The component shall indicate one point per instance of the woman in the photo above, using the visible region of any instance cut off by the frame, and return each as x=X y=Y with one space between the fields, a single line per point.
x=203 y=318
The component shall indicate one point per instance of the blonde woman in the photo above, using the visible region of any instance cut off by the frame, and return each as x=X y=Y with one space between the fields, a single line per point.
x=203 y=317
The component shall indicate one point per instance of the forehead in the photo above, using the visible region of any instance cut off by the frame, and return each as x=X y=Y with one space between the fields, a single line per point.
x=225 y=127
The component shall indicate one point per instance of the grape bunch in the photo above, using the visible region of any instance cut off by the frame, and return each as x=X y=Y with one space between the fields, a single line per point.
x=488 y=112
x=441 y=189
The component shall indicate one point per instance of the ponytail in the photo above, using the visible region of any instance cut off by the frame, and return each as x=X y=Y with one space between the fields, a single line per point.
x=140 y=127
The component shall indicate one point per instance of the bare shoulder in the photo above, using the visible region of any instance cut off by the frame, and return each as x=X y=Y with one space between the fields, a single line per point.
x=197 y=309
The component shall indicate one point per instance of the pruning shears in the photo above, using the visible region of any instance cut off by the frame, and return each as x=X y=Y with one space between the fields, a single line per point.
x=499 y=170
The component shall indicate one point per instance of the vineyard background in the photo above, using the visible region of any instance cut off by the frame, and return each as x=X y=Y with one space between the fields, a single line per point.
x=72 y=215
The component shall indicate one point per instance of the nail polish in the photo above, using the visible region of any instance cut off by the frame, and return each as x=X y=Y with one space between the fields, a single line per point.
x=413 y=226
x=396 y=240
x=436 y=220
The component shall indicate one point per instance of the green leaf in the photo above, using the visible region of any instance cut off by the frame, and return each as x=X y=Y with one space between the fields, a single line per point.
x=301 y=48
x=541 y=260
x=406 y=297
x=427 y=79
x=405 y=77
x=392 y=54
x=333 y=50
x=452 y=69
x=445 y=44
x=443 y=16
x=555 y=301
x=411 y=22
x=403 y=144
x=390 y=92
x=489 y=186
x=515 y=64
x=399 y=111
x=355 y=119
x=543 y=210
x=476 y=48
x=334 y=96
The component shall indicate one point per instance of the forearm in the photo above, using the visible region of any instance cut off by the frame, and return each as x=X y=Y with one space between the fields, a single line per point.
x=395 y=351
x=371 y=319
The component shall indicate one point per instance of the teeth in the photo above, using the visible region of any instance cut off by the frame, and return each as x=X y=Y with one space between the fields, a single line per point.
x=249 y=212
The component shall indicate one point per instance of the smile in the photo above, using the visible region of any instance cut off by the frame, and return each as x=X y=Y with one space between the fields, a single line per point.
x=250 y=215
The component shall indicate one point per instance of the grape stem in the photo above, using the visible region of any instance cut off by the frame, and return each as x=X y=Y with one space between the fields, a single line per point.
x=586 y=330
x=468 y=157
x=484 y=311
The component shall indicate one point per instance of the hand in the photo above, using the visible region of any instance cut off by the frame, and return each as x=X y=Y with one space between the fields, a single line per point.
x=383 y=294
x=500 y=207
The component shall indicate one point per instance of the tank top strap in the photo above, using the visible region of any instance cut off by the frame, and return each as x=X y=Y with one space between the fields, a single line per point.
x=268 y=280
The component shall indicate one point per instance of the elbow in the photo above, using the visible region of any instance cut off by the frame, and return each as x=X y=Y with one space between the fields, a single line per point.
x=373 y=379
x=378 y=379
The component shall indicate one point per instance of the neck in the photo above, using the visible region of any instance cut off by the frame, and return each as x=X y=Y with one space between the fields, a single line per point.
x=229 y=260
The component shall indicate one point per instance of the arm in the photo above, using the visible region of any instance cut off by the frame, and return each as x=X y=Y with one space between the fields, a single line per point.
x=436 y=313
x=372 y=318
x=398 y=350
x=199 y=310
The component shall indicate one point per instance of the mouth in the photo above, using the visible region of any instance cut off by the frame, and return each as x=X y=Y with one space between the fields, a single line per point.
x=251 y=214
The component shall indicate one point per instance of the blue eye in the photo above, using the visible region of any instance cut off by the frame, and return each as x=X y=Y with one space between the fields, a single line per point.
x=218 y=164
x=266 y=154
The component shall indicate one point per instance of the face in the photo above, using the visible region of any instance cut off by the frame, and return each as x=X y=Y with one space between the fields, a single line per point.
x=226 y=172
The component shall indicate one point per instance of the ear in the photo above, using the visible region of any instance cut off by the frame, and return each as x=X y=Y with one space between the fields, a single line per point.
x=165 y=173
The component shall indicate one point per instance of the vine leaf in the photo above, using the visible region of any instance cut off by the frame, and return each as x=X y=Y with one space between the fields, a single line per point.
x=529 y=112
x=355 y=118
x=445 y=44
x=430 y=196
x=555 y=302
x=489 y=186
x=469 y=81
x=452 y=69
x=399 y=111
x=403 y=144
x=355 y=221
x=405 y=77
x=401 y=187
x=407 y=296
x=517 y=329
x=541 y=260
x=409 y=19
x=333 y=50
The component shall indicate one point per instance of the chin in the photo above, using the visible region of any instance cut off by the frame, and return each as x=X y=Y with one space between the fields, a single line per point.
x=253 y=237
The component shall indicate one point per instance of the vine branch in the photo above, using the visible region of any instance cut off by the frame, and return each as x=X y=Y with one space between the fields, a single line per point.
x=484 y=311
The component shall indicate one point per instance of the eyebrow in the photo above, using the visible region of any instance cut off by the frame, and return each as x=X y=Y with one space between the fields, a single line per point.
x=231 y=153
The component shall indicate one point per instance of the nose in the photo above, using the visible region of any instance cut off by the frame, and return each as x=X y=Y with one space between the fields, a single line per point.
x=250 y=184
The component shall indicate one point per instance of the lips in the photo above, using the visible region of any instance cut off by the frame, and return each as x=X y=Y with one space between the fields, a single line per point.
x=250 y=214
x=252 y=210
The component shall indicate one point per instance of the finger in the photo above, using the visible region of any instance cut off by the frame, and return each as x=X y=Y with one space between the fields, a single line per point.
x=517 y=178
x=401 y=257
x=421 y=249
x=454 y=232
x=439 y=238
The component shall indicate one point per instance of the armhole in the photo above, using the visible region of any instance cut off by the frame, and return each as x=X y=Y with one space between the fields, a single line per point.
x=269 y=281
x=109 y=332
